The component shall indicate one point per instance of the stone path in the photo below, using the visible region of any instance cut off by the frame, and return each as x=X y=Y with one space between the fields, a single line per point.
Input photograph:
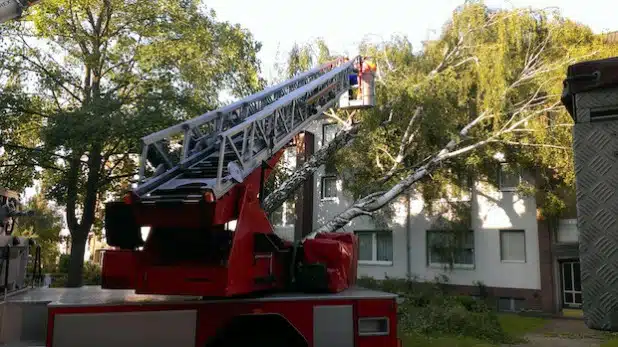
x=565 y=333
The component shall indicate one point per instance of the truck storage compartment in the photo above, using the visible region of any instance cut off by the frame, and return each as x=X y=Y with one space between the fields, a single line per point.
x=329 y=262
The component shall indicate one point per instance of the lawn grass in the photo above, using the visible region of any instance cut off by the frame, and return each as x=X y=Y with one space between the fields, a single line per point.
x=515 y=325
x=422 y=341
x=610 y=343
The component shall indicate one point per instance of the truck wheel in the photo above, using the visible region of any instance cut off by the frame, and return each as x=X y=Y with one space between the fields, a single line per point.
x=268 y=330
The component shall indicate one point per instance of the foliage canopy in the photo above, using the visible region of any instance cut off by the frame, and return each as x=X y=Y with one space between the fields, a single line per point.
x=86 y=79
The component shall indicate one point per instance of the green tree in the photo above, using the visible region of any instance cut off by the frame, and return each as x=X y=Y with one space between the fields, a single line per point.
x=97 y=75
x=489 y=84
x=44 y=227
x=301 y=58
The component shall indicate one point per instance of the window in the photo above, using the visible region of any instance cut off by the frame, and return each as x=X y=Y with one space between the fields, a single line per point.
x=289 y=157
x=329 y=130
x=445 y=247
x=511 y=304
x=567 y=231
x=329 y=187
x=571 y=284
x=284 y=215
x=513 y=246
x=509 y=177
x=375 y=247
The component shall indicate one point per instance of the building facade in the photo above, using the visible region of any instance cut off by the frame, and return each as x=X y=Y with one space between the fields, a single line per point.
x=524 y=261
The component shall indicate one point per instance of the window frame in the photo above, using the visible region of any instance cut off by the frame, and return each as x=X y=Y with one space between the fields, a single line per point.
x=323 y=186
x=431 y=264
x=324 y=126
x=374 y=248
x=502 y=260
x=513 y=303
x=517 y=170
x=290 y=157
x=558 y=235
x=287 y=205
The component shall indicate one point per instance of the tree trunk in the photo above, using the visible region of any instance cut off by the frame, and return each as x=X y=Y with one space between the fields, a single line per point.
x=76 y=265
x=79 y=231
x=275 y=199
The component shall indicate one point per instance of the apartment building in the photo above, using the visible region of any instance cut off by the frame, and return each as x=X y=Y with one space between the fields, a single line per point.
x=525 y=261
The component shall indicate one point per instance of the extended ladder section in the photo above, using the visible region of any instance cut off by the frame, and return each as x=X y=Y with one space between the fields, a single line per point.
x=207 y=172
x=219 y=149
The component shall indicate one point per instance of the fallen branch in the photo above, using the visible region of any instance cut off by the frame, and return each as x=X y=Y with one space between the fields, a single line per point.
x=407 y=138
x=301 y=174
x=371 y=203
x=368 y=205
x=541 y=145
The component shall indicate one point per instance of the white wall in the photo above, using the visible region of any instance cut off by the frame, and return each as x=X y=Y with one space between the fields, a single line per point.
x=492 y=210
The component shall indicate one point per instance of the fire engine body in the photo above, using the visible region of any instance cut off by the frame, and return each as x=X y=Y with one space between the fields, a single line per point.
x=13 y=9
x=14 y=250
x=211 y=271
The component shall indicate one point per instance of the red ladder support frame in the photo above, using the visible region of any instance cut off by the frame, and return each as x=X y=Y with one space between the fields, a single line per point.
x=245 y=270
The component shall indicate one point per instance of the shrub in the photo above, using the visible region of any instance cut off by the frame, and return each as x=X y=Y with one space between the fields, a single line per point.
x=63 y=263
x=59 y=280
x=92 y=274
x=429 y=309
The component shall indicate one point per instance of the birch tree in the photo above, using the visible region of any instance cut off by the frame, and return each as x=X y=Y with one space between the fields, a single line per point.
x=489 y=84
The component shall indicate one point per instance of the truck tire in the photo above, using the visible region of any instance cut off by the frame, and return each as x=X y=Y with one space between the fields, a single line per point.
x=267 y=330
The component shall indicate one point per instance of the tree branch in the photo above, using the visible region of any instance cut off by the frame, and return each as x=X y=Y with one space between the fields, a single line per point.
x=373 y=202
x=300 y=175
x=515 y=143
x=49 y=167
x=47 y=72
x=407 y=138
x=116 y=177
x=38 y=150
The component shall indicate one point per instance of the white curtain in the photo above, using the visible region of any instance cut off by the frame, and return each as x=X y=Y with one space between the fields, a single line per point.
x=512 y=245
x=384 y=242
x=365 y=246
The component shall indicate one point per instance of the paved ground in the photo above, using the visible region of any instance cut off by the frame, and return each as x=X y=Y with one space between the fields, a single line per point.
x=565 y=333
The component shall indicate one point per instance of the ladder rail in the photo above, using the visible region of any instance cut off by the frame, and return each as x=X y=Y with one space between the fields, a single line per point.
x=290 y=114
x=209 y=116
x=259 y=132
x=198 y=143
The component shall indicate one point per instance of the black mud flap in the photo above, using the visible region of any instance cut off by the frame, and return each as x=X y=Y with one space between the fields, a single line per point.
x=312 y=278
x=121 y=229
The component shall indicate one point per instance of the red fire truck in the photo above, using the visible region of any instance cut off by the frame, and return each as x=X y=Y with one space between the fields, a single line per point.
x=13 y=9
x=211 y=271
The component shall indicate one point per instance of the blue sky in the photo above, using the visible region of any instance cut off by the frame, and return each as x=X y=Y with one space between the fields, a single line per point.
x=343 y=24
